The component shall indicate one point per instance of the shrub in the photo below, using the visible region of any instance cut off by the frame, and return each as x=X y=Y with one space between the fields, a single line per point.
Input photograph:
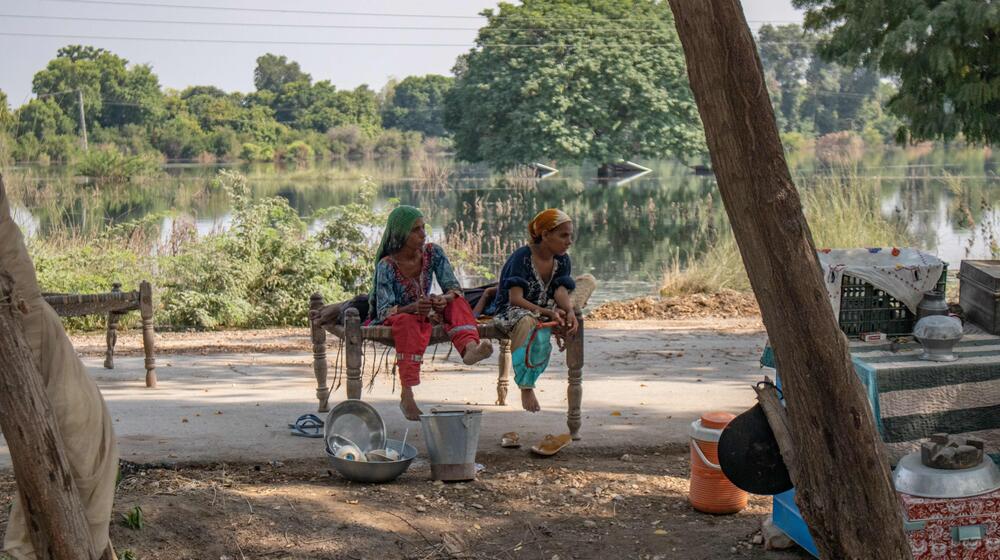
x=840 y=148
x=251 y=152
x=107 y=165
x=299 y=152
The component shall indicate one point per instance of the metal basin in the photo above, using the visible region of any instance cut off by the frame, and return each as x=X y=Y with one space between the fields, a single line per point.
x=914 y=478
x=381 y=471
x=358 y=422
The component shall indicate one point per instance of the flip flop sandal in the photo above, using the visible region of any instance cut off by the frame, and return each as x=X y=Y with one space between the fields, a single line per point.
x=550 y=445
x=308 y=426
x=510 y=440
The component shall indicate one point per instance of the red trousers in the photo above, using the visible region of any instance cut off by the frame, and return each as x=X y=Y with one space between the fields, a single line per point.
x=412 y=333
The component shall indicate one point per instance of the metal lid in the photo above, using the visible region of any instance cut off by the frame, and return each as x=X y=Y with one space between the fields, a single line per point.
x=914 y=478
x=358 y=422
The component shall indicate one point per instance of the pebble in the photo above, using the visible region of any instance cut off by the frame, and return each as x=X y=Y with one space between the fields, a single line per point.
x=757 y=539
x=589 y=523
x=732 y=549
x=626 y=458
x=477 y=506
x=421 y=509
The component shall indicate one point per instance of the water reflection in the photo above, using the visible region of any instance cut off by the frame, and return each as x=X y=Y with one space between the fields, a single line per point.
x=627 y=234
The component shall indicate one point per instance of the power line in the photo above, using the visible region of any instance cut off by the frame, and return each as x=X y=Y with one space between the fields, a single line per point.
x=240 y=24
x=342 y=13
x=322 y=43
x=326 y=26
x=266 y=10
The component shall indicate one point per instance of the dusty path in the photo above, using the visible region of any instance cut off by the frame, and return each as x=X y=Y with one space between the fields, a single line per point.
x=228 y=396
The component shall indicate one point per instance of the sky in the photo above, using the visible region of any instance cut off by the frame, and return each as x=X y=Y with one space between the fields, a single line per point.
x=190 y=45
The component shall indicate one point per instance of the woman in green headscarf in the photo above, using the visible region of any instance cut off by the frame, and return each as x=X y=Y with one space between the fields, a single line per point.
x=405 y=266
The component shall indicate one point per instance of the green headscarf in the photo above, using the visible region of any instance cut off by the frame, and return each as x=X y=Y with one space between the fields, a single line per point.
x=397 y=229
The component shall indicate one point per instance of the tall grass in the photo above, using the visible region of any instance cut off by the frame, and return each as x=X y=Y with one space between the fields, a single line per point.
x=843 y=211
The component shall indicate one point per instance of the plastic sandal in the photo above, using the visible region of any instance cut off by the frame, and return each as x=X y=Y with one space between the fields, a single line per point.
x=510 y=440
x=550 y=445
x=307 y=425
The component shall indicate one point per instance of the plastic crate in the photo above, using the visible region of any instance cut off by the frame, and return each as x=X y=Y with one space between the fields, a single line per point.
x=865 y=308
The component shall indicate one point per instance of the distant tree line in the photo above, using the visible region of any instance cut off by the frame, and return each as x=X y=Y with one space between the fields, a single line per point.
x=547 y=80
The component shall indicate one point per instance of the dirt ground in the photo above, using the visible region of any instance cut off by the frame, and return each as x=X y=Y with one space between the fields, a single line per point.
x=627 y=503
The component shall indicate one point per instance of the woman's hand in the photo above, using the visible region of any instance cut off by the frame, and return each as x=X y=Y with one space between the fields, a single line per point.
x=572 y=325
x=551 y=315
x=440 y=302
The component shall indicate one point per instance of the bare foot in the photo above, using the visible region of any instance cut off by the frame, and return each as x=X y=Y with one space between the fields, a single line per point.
x=408 y=405
x=476 y=352
x=529 y=401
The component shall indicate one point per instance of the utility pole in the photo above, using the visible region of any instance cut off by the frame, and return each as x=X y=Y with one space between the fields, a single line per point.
x=83 y=121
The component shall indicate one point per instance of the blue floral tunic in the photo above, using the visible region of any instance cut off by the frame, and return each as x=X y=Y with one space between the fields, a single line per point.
x=519 y=271
x=393 y=290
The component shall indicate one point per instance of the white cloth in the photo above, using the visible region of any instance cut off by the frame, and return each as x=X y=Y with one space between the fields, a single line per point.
x=905 y=276
x=79 y=409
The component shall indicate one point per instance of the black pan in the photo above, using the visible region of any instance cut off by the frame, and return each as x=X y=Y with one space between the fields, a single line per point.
x=749 y=455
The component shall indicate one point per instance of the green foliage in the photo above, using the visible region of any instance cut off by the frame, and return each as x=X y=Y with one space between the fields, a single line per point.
x=394 y=143
x=251 y=152
x=6 y=117
x=133 y=519
x=128 y=555
x=586 y=89
x=299 y=152
x=945 y=55
x=180 y=138
x=417 y=103
x=108 y=165
x=273 y=72
x=811 y=95
x=262 y=270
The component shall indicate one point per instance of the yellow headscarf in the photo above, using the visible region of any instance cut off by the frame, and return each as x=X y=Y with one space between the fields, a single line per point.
x=547 y=220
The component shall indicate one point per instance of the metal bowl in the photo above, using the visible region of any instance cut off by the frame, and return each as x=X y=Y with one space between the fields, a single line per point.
x=358 y=422
x=381 y=471
x=914 y=478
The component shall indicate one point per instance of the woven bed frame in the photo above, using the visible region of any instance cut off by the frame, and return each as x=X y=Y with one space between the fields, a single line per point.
x=115 y=303
x=354 y=335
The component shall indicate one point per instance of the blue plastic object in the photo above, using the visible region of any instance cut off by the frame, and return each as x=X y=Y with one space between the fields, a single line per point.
x=787 y=517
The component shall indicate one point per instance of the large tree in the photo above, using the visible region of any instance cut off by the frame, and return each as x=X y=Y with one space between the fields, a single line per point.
x=417 y=103
x=114 y=94
x=273 y=72
x=946 y=55
x=598 y=80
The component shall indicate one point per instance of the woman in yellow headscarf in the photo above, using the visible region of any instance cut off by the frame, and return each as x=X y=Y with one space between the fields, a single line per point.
x=534 y=296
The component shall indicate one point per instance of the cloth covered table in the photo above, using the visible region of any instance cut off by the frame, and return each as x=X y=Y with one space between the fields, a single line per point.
x=913 y=398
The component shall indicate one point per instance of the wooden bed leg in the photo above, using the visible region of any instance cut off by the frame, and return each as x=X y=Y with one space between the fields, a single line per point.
x=320 y=369
x=574 y=392
x=503 y=378
x=112 y=336
x=354 y=352
x=146 y=312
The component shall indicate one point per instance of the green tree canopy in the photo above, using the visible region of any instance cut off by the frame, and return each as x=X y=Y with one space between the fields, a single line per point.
x=113 y=94
x=946 y=56
x=599 y=80
x=273 y=72
x=417 y=103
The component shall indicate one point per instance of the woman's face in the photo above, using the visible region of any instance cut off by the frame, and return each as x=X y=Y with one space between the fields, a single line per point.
x=560 y=239
x=418 y=235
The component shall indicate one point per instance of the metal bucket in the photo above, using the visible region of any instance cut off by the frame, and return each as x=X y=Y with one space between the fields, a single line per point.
x=452 y=437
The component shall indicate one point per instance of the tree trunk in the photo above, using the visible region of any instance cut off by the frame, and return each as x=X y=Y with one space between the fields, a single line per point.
x=52 y=506
x=843 y=483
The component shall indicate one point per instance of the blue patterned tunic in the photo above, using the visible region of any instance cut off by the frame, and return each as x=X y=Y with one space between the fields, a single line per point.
x=520 y=271
x=393 y=289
